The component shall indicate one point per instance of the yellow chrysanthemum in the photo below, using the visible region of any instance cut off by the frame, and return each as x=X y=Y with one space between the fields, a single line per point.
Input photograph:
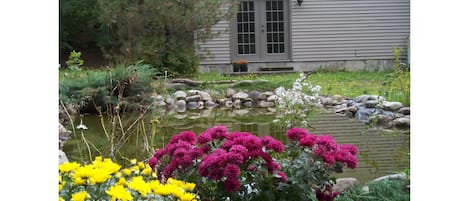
x=141 y=165
x=122 y=181
x=61 y=199
x=127 y=171
x=187 y=197
x=61 y=186
x=84 y=171
x=80 y=196
x=138 y=184
x=67 y=167
x=147 y=170
x=163 y=190
x=99 y=176
x=118 y=174
x=119 y=192
x=78 y=180
x=187 y=186
x=133 y=161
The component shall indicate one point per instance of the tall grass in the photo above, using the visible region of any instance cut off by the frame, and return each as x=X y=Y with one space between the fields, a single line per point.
x=387 y=190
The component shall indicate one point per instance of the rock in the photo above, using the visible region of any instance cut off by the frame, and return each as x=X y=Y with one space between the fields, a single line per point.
x=229 y=92
x=204 y=96
x=364 y=98
x=169 y=101
x=338 y=107
x=272 y=98
x=221 y=101
x=64 y=135
x=200 y=105
x=254 y=95
x=363 y=114
x=247 y=103
x=265 y=104
x=343 y=184
x=240 y=95
x=371 y=103
x=337 y=98
x=392 y=106
x=181 y=106
x=192 y=105
x=382 y=120
x=194 y=98
x=326 y=100
x=62 y=157
x=264 y=95
x=237 y=103
x=401 y=123
x=348 y=111
x=210 y=104
x=159 y=104
x=400 y=176
x=272 y=109
x=192 y=92
x=228 y=103
x=404 y=110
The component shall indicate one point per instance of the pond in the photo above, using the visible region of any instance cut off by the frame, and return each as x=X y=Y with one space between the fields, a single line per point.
x=381 y=152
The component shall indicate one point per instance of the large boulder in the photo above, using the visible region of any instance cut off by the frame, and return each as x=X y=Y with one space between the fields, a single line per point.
x=404 y=111
x=230 y=92
x=401 y=123
x=343 y=184
x=180 y=95
x=392 y=106
x=62 y=157
x=240 y=95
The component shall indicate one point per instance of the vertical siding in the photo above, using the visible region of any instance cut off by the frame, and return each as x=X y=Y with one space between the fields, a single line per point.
x=325 y=30
x=217 y=48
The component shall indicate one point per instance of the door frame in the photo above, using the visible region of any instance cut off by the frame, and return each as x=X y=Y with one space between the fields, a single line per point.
x=261 y=37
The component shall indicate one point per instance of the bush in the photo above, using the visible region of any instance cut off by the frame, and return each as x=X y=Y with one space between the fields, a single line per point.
x=242 y=166
x=104 y=87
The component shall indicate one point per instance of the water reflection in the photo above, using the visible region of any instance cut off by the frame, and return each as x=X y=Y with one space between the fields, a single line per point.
x=381 y=152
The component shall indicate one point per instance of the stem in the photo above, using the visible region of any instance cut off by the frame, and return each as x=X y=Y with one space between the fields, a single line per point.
x=73 y=129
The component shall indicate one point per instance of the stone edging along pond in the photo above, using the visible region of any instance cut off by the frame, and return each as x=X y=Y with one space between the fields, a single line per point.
x=365 y=108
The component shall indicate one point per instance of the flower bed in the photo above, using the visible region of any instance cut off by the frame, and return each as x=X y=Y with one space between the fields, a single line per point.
x=242 y=166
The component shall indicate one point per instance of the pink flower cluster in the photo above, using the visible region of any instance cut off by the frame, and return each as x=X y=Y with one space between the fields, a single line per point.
x=325 y=147
x=181 y=152
x=219 y=163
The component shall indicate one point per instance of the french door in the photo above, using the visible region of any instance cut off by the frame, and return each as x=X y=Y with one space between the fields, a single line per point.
x=260 y=31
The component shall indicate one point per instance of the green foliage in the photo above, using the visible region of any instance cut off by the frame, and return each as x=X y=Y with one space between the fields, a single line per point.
x=159 y=32
x=387 y=190
x=105 y=86
x=74 y=61
x=397 y=83
x=79 y=26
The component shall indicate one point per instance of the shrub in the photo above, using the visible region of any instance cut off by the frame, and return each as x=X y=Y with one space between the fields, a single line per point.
x=105 y=180
x=74 y=61
x=241 y=166
x=104 y=87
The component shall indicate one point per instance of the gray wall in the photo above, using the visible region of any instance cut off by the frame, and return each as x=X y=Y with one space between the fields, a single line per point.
x=331 y=31
x=325 y=30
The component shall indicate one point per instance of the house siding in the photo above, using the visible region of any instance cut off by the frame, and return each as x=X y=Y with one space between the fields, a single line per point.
x=217 y=49
x=333 y=30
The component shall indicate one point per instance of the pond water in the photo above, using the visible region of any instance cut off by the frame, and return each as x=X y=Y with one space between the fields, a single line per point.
x=381 y=152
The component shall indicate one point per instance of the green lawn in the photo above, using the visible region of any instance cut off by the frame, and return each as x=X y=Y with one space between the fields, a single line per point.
x=348 y=84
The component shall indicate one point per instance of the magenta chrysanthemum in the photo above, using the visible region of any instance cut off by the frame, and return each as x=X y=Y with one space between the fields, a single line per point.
x=296 y=134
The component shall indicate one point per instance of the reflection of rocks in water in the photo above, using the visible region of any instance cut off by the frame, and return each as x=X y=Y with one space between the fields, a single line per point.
x=64 y=135
x=241 y=112
x=206 y=113
x=180 y=116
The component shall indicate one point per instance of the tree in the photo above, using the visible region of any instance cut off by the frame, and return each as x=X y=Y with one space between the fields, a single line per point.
x=161 y=32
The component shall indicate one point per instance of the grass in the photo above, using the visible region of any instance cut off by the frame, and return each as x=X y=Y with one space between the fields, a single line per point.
x=347 y=84
x=387 y=190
